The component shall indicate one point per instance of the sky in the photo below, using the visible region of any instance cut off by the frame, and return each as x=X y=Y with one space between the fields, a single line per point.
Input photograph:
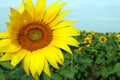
x=98 y=15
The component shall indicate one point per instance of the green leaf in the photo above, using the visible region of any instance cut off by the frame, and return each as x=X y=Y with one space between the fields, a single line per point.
x=68 y=73
x=116 y=68
x=6 y=65
x=105 y=72
x=56 y=77
x=46 y=77
x=25 y=77
x=1 y=75
x=118 y=74
x=86 y=61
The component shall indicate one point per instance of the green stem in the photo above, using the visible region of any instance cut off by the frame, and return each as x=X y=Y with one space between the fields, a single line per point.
x=117 y=43
x=72 y=62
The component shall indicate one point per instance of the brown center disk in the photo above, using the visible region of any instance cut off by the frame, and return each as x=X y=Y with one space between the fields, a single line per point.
x=102 y=39
x=34 y=36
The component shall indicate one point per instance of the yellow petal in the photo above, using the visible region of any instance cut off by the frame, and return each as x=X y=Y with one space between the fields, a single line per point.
x=36 y=76
x=39 y=10
x=61 y=44
x=66 y=31
x=4 y=42
x=18 y=57
x=26 y=62
x=63 y=24
x=30 y=7
x=7 y=46
x=49 y=56
x=27 y=17
x=20 y=9
x=59 y=17
x=68 y=40
x=59 y=53
x=55 y=12
x=52 y=11
x=33 y=64
x=46 y=68
x=4 y=35
x=38 y=60
x=36 y=63
x=12 y=31
x=56 y=56
x=16 y=23
x=7 y=56
x=49 y=11
x=16 y=20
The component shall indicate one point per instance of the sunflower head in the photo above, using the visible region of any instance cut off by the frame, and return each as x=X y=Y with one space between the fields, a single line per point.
x=92 y=33
x=93 y=52
x=36 y=36
x=90 y=36
x=102 y=39
x=87 y=40
x=118 y=35
x=80 y=49
x=83 y=32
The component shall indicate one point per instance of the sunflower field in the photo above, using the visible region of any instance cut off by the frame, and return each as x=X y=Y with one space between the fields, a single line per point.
x=96 y=58
x=40 y=44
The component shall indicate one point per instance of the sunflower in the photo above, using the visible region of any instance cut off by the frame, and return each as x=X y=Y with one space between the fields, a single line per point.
x=3 y=35
x=80 y=49
x=83 y=32
x=93 y=52
x=102 y=39
x=36 y=36
x=118 y=35
x=90 y=36
x=92 y=33
x=87 y=40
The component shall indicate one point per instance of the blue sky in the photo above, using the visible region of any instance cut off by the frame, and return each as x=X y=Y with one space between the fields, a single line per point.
x=98 y=15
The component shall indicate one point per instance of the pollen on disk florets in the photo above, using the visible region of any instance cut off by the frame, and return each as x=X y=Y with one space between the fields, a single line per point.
x=34 y=36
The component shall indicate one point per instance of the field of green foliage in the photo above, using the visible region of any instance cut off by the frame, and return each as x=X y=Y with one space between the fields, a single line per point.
x=96 y=58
